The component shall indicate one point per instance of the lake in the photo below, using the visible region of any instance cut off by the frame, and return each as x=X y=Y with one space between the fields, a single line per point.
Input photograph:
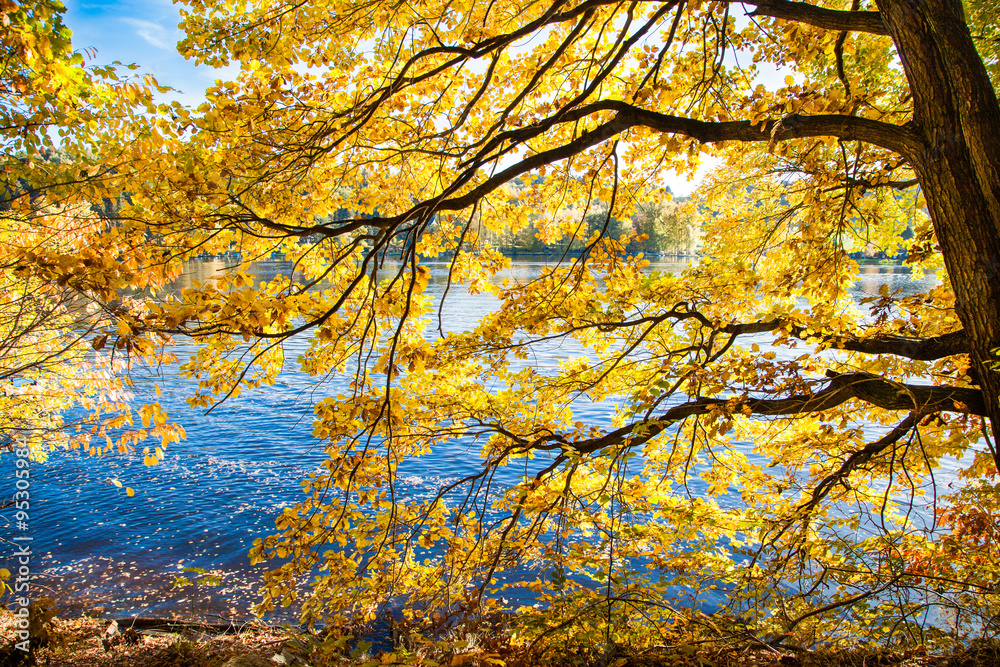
x=99 y=550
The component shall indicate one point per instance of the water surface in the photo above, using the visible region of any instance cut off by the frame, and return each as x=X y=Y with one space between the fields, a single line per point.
x=238 y=468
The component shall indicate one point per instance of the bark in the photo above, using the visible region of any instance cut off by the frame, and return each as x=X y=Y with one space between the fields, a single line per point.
x=828 y=19
x=957 y=119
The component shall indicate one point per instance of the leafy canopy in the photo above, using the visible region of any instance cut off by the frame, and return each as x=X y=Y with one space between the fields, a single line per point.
x=774 y=438
x=62 y=126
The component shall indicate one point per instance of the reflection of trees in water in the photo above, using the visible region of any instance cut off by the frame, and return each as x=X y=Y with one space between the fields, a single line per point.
x=871 y=278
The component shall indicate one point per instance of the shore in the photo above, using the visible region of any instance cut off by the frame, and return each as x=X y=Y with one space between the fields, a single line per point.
x=83 y=641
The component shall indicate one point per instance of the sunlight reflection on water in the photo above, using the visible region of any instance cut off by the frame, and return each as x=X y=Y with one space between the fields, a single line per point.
x=240 y=466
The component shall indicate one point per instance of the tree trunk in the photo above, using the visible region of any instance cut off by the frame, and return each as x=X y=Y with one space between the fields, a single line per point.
x=957 y=116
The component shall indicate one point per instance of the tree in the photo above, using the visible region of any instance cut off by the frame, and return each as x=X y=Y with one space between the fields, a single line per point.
x=817 y=428
x=60 y=124
x=666 y=226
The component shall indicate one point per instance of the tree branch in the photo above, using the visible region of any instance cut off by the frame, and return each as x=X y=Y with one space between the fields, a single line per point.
x=819 y=17
x=860 y=458
x=919 y=349
x=866 y=387
x=897 y=138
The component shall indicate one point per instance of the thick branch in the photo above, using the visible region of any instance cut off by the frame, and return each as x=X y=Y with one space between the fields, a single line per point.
x=849 y=128
x=841 y=388
x=828 y=19
x=795 y=126
x=919 y=349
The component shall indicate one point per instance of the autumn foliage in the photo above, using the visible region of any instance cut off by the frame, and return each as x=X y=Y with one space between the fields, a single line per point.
x=61 y=124
x=814 y=468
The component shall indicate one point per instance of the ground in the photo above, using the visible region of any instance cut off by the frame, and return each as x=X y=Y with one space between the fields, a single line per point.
x=93 y=642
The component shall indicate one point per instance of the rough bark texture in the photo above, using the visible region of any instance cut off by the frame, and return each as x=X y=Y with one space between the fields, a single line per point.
x=957 y=118
x=828 y=19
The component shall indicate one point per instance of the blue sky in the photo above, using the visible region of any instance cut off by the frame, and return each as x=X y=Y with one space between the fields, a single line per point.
x=143 y=32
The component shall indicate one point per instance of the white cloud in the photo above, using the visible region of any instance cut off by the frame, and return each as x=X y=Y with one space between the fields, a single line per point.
x=153 y=33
